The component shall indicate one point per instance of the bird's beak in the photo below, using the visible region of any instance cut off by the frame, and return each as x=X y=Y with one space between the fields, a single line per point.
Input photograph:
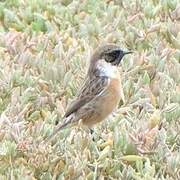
x=127 y=52
x=122 y=54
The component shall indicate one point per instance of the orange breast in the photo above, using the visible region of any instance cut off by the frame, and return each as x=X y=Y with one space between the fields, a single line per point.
x=104 y=105
x=113 y=97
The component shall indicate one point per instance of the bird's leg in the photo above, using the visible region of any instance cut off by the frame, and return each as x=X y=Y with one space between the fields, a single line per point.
x=91 y=131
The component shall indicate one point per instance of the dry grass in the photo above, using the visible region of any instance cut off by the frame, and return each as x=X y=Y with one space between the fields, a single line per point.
x=44 y=51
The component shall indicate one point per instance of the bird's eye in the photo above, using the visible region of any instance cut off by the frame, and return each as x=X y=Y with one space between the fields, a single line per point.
x=112 y=56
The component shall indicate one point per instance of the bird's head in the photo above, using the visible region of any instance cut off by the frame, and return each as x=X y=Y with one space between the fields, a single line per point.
x=111 y=53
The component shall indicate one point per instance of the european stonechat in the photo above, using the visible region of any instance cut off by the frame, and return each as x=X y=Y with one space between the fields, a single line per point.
x=101 y=91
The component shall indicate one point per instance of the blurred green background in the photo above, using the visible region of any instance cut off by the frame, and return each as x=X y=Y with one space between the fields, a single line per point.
x=45 y=48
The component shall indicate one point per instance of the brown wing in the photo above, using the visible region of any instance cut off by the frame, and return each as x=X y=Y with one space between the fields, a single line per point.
x=91 y=88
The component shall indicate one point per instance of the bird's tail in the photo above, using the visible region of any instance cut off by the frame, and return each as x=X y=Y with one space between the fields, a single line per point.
x=59 y=127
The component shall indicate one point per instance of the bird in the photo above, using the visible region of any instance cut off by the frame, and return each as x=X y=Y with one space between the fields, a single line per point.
x=101 y=91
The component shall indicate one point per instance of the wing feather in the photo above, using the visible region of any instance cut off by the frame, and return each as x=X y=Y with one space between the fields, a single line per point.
x=91 y=89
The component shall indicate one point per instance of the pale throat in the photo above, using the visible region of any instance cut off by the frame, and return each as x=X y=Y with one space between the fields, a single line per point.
x=106 y=69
